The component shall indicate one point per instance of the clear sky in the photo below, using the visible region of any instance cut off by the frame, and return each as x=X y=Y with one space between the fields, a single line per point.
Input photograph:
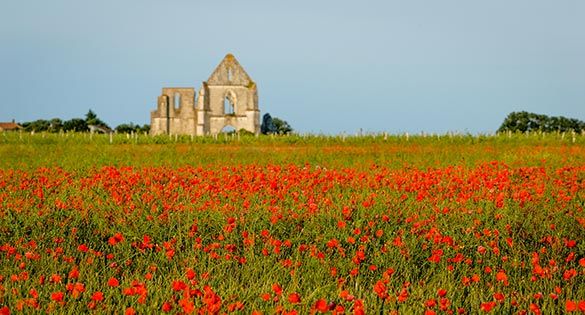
x=324 y=66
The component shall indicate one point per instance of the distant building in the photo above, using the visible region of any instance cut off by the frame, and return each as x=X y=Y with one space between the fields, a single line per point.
x=99 y=129
x=10 y=126
x=228 y=98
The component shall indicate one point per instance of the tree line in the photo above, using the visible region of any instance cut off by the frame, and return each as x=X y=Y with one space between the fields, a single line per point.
x=91 y=121
x=528 y=122
x=270 y=125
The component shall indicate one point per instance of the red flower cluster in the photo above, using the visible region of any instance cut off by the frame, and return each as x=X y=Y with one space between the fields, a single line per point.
x=292 y=239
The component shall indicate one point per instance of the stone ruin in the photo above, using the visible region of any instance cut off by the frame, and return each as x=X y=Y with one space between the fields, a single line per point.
x=228 y=98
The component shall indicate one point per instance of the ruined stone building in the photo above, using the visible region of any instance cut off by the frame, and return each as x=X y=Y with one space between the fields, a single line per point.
x=228 y=98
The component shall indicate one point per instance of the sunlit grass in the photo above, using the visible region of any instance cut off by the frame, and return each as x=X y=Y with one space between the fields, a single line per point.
x=292 y=224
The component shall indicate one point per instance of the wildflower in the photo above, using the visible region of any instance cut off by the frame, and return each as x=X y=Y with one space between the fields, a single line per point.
x=502 y=277
x=346 y=296
x=117 y=238
x=113 y=282
x=570 y=306
x=179 y=286
x=57 y=296
x=534 y=308
x=97 y=296
x=74 y=273
x=83 y=248
x=55 y=278
x=380 y=289
x=321 y=306
x=187 y=305
x=431 y=303
x=166 y=307
x=294 y=298
x=277 y=289
x=487 y=306
x=403 y=295
x=190 y=274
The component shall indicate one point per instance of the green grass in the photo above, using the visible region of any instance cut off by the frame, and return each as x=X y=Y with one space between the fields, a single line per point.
x=434 y=192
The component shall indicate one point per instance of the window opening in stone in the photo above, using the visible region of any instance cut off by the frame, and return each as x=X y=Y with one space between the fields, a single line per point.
x=177 y=100
x=167 y=114
x=229 y=74
x=228 y=107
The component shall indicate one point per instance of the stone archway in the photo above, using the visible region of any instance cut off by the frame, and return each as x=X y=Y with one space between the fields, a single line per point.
x=228 y=129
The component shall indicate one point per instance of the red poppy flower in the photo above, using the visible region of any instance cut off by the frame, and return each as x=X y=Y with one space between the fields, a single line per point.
x=57 y=296
x=321 y=306
x=113 y=282
x=294 y=298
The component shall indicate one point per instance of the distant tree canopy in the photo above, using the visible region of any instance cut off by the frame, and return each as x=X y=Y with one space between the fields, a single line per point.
x=37 y=125
x=274 y=125
x=92 y=119
x=525 y=121
x=282 y=127
x=74 y=124
x=132 y=128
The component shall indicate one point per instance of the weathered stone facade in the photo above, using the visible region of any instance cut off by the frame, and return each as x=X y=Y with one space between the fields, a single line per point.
x=228 y=98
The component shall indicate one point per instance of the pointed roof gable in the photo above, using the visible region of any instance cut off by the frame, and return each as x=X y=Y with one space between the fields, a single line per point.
x=230 y=72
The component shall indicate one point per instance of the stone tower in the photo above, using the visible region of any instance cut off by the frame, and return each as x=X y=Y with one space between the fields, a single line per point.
x=228 y=98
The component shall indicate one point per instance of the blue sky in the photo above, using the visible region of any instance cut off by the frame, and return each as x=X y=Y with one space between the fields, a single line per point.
x=324 y=66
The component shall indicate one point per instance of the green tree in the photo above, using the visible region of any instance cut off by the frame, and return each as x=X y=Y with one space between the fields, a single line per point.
x=131 y=127
x=127 y=128
x=282 y=127
x=56 y=125
x=526 y=122
x=145 y=128
x=267 y=126
x=75 y=124
x=92 y=119
x=37 y=125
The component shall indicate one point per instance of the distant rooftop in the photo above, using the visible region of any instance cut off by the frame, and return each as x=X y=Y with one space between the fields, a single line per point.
x=9 y=126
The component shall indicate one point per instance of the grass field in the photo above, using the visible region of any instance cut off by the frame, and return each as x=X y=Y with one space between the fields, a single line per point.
x=451 y=224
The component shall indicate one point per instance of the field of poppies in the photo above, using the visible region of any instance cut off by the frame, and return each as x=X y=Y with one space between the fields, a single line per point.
x=292 y=225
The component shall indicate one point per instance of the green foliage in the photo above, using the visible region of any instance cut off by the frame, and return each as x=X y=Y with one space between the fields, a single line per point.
x=244 y=132
x=72 y=125
x=79 y=151
x=66 y=190
x=267 y=127
x=527 y=122
x=132 y=128
x=92 y=119
x=273 y=125
x=56 y=125
x=75 y=124
x=37 y=125
x=126 y=128
x=282 y=127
